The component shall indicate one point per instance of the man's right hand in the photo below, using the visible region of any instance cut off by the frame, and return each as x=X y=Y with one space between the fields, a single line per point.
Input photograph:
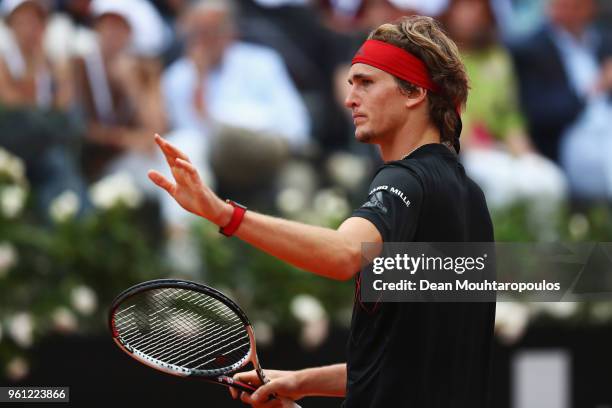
x=283 y=386
x=189 y=190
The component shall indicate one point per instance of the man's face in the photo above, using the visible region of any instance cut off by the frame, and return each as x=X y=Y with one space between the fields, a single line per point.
x=28 y=24
x=209 y=31
x=573 y=15
x=378 y=105
x=114 y=33
x=469 y=22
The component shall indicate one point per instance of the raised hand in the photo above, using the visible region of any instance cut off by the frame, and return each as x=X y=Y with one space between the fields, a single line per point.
x=188 y=189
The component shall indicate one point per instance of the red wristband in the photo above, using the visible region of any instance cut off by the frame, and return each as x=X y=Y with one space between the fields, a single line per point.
x=236 y=219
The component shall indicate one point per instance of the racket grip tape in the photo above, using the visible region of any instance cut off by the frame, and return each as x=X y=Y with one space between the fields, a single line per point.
x=237 y=384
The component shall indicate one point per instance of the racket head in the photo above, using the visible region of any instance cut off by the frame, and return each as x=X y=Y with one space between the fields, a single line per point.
x=177 y=326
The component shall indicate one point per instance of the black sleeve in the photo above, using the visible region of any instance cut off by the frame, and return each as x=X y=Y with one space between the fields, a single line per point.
x=394 y=204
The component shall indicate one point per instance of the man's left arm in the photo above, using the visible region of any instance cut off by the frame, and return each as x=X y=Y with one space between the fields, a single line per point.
x=335 y=254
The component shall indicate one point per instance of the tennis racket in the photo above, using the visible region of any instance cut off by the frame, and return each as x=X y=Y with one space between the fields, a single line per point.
x=185 y=329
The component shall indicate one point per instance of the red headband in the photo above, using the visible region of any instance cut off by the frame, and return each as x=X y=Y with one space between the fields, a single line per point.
x=395 y=61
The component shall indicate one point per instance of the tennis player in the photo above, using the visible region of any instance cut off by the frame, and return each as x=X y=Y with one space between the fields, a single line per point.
x=407 y=86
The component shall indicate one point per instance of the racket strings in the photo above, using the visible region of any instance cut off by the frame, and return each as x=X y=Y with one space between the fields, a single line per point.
x=183 y=328
x=180 y=318
x=152 y=328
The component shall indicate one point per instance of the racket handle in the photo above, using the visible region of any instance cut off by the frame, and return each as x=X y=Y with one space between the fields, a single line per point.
x=230 y=382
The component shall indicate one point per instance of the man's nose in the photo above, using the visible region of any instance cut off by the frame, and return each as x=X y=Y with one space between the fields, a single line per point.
x=351 y=99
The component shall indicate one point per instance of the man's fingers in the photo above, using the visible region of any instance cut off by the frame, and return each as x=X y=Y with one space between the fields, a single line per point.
x=157 y=178
x=248 y=377
x=170 y=158
x=270 y=403
x=191 y=171
x=234 y=392
x=179 y=163
x=263 y=393
x=248 y=399
x=170 y=151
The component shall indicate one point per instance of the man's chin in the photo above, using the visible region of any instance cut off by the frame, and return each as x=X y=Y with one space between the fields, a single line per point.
x=364 y=136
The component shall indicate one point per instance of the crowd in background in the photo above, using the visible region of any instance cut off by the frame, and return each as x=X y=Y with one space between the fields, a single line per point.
x=246 y=87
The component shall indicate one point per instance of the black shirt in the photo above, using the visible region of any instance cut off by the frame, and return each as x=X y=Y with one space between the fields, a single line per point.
x=422 y=355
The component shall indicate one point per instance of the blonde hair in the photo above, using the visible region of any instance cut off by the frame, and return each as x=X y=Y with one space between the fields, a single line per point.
x=422 y=37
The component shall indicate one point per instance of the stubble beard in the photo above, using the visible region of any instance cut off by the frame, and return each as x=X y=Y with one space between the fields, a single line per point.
x=366 y=136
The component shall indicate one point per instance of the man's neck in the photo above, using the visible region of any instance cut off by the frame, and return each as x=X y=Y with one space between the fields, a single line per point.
x=408 y=141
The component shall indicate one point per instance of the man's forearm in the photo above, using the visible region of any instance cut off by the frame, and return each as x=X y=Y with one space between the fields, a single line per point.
x=322 y=251
x=328 y=381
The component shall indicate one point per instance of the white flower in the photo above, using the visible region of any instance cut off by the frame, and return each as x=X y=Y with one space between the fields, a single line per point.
x=115 y=189
x=558 y=310
x=65 y=206
x=330 y=204
x=84 y=300
x=183 y=253
x=21 y=329
x=511 y=321
x=5 y=157
x=17 y=369
x=11 y=166
x=298 y=175
x=578 y=226
x=8 y=258
x=314 y=333
x=291 y=201
x=343 y=316
x=347 y=170
x=64 y=320
x=12 y=200
x=601 y=312
x=307 y=308
x=264 y=333
x=16 y=169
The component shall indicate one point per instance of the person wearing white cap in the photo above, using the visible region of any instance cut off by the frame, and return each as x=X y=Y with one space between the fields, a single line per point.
x=35 y=96
x=26 y=76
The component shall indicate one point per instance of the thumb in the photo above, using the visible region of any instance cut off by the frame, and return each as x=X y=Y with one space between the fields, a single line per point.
x=158 y=178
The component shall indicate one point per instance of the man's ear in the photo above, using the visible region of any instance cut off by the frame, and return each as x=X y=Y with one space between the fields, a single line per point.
x=416 y=97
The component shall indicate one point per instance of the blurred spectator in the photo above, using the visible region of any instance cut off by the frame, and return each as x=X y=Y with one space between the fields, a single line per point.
x=349 y=15
x=170 y=11
x=518 y=18
x=565 y=72
x=308 y=48
x=119 y=84
x=496 y=150
x=605 y=14
x=68 y=30
x=234 y=100
x=559 y=67
x=35 y=96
